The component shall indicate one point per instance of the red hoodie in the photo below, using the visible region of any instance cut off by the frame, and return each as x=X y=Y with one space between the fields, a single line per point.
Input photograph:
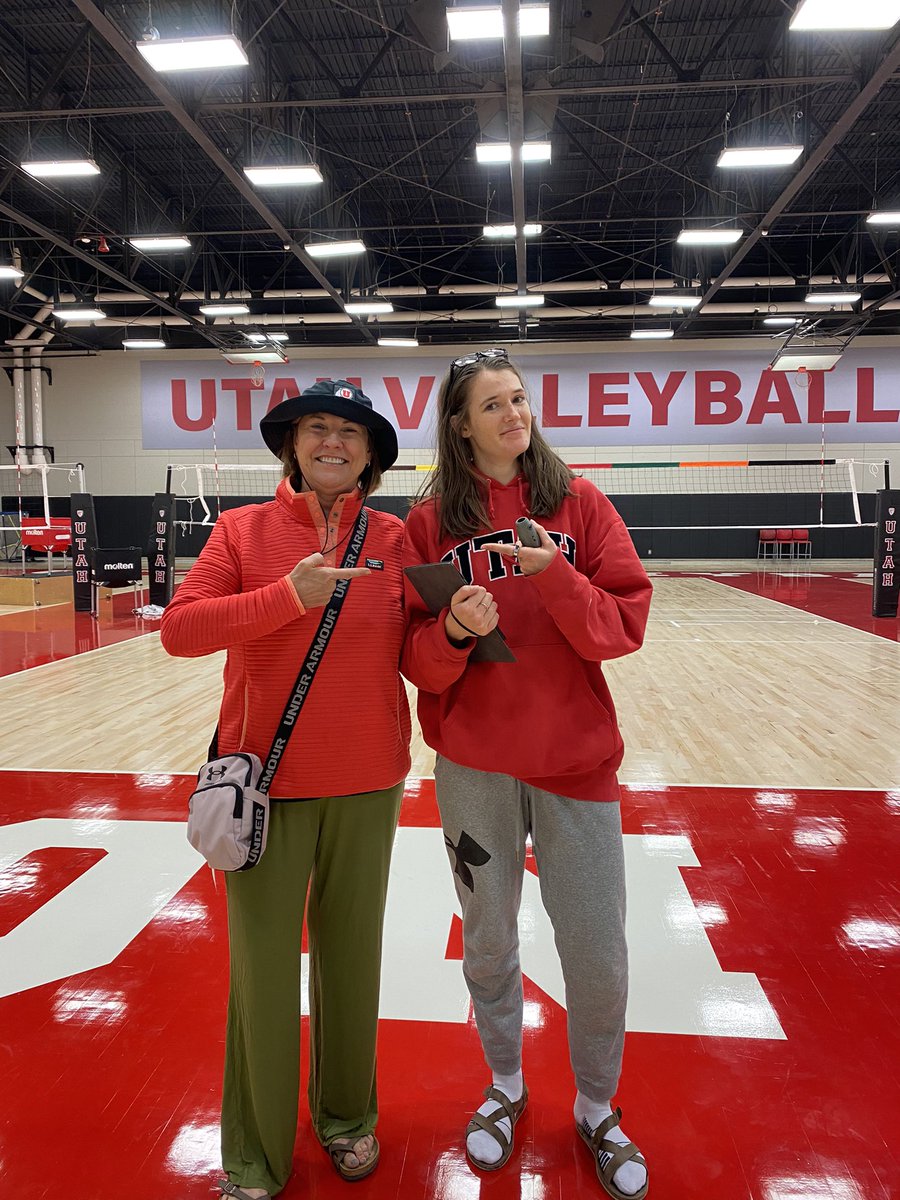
x=353 y=733
x=547 y=719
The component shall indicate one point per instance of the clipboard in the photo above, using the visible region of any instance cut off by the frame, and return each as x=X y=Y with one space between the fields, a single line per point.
x=436 y=583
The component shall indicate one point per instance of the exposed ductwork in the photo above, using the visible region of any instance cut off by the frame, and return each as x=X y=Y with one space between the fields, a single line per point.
x=19 y=405
x=38 y=458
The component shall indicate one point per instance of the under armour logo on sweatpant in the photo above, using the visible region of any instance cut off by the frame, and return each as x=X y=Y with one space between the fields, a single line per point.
x=467 y=852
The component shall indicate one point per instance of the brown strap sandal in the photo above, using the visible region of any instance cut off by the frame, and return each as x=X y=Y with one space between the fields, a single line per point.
x=231 y=1189
x=600 y=1146
x=339 y=1148
x=512 y=1111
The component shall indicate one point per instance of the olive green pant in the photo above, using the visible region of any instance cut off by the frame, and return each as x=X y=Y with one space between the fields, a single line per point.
x=340 y=848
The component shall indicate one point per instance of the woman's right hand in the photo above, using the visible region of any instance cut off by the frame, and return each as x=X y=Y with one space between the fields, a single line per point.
x=476 y=611
x=314 y=582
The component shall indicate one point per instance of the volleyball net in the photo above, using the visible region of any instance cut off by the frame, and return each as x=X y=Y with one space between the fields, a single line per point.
x=701 y=494
x=27 y=492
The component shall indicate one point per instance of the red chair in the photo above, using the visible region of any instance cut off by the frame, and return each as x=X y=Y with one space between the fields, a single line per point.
x=784 y=540
x=802 y=544
x=765 y=547
x=55 y=538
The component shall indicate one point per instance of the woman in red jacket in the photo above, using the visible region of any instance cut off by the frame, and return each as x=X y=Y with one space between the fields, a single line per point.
x=531 y=747
x=257 y=591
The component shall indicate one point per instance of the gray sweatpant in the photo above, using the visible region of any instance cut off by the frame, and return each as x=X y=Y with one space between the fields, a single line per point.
x=578 y=848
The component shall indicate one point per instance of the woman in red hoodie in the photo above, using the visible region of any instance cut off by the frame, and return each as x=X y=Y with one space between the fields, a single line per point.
x=257 y=591
x=531 y=747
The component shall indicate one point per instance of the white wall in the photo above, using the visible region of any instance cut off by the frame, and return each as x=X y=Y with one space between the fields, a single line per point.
x=92 y=415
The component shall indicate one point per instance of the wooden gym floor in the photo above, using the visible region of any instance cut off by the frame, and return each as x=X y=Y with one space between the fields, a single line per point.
x=761 y=813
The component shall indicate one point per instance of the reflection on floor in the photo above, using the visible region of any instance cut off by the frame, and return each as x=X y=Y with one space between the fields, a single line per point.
x=760 y=1060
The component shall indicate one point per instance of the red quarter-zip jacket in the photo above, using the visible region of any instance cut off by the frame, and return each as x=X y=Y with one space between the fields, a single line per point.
x=353 y=731
x=547 y=719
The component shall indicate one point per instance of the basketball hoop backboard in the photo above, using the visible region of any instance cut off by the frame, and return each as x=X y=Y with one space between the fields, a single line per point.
x=809 y=358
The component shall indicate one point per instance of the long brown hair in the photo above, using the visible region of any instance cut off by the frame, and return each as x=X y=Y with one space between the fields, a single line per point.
x=454 y=483
x=368 y=482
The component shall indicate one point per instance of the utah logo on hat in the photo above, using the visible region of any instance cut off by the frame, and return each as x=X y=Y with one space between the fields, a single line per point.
x=344 y=393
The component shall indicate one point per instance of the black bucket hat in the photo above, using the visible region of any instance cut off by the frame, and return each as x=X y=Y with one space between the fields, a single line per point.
x=336 y=396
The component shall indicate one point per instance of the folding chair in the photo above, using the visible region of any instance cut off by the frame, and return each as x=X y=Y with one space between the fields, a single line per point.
x=802 y=544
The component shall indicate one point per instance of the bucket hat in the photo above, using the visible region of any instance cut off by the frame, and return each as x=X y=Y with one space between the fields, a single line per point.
x=343 y=399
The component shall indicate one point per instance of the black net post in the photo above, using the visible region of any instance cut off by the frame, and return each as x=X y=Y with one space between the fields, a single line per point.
x=84 y=542
x=161 y=549
x=886 y=590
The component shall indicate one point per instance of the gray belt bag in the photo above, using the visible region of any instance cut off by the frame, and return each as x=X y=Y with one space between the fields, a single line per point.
x=228 y=818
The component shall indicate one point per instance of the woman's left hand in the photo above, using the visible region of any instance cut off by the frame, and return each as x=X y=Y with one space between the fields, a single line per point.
x=531 y=559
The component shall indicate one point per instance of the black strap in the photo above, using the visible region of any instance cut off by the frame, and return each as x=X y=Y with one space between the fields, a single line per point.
x=314 y=656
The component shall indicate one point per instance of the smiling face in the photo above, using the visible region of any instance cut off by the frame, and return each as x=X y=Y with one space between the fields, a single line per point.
x=332 y=453
x=496 y=421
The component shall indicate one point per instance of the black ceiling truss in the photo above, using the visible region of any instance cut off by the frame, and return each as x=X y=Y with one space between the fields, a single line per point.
x=388 y=109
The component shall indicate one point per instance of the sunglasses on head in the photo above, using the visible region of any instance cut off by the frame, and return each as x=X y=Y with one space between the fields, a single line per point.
x=468 y=360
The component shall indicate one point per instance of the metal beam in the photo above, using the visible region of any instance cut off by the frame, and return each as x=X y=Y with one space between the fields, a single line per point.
x=23 y=320
x=563 y=92
x=151 y=80
x=832 y=138
x=98 y=264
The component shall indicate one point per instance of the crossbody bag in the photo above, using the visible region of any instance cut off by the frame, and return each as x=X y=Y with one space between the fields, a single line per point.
x=228 y=816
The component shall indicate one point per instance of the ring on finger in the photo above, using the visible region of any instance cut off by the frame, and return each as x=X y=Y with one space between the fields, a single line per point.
x=516 y=552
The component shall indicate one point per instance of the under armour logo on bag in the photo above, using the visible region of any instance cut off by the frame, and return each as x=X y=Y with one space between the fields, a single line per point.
x=214 y=773
x=467 y=852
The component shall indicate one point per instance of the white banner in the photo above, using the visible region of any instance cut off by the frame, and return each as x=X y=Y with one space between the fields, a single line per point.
x=580 y=399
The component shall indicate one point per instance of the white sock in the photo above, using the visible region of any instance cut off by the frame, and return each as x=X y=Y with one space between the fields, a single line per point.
x=480 y=1144
x=631 y=1176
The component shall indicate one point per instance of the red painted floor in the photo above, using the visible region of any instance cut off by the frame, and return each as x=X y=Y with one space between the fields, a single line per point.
x=34 y=636
x=111 y=1074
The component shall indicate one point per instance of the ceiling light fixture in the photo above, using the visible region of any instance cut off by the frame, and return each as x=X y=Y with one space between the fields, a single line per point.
x=884 y=217
x=193 y=54
x=835 y=295
x=11 y=273
x=69 y=168
x=143 y=344
x=759 y=156
x=532 y=300
x=709 y=237
x=674 y=300
x=334 y=249
x=470 y=24
x=781 y=321
x=509 y=231
x=297 y=175
x=79 y=312
x=536 y=151
x=170 y=242
x=501 y=152
x=362 y=308
x=409 y=343
x=837 y=14
x=224 y=309
x=647 y=334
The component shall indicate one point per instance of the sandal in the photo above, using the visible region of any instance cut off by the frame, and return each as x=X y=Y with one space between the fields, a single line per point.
x=614 y=1155
x=231 y=1189
x=508 y=1109
x=339 y=1148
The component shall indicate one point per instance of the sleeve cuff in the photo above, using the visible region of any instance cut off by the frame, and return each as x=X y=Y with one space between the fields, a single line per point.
x=298 y=603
